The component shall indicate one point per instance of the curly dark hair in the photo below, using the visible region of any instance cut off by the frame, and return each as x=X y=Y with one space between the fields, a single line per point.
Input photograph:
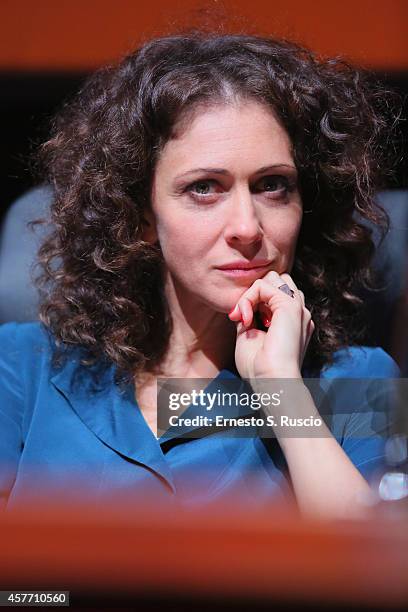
x=102 y=286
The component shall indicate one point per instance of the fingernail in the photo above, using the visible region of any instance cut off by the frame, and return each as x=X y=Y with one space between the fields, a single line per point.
x=230 y=313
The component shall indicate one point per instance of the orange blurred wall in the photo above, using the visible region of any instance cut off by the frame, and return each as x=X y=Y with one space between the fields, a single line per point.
x=75 y=35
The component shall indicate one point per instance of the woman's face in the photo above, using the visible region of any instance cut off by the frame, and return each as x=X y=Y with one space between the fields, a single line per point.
x=225 y=191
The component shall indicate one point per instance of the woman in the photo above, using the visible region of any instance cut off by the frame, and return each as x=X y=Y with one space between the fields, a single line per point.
x=203 y=175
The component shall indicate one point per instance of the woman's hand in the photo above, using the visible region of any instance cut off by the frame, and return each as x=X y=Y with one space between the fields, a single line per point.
x=279 y=351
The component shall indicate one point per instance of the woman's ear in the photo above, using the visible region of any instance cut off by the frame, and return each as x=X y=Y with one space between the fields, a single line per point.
x=149 y=232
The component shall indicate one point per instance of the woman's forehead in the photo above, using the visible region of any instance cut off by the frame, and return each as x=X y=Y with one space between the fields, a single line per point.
x=215 y=111
x=249 y=129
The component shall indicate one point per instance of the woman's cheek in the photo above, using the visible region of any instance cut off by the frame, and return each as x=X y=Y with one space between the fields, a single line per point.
x=179 y=245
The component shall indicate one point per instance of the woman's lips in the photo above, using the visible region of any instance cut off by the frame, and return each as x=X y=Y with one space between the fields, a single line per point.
x=241 y=273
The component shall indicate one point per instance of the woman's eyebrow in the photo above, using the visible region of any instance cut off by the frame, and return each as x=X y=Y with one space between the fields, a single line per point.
x=225 y=172
x=196 y=170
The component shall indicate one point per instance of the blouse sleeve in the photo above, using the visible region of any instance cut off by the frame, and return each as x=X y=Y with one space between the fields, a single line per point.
x=11 y=409
x=366 y=430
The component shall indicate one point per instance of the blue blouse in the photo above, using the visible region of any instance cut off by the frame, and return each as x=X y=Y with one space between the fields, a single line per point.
x=60 y=439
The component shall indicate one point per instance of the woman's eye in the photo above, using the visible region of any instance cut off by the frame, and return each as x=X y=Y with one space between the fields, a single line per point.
x=274 y=184
x=201 y=189
x=208 y=190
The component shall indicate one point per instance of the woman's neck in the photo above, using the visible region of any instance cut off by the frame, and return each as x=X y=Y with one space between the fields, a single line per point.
x=200 y=353
x=202 y=340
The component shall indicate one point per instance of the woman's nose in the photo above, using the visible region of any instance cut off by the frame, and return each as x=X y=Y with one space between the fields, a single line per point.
x=242 y=223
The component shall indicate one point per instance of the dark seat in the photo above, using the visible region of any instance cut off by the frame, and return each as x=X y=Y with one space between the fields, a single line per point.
x=18 y=248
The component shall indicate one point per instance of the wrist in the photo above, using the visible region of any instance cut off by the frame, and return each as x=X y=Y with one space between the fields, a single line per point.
x=291 y=380
x=283 y=372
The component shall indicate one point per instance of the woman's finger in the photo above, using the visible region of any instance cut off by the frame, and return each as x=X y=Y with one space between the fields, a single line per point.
x=256 y=298
x=260 y=292
x=289 y=281
x=243 y=311
x=309 y=333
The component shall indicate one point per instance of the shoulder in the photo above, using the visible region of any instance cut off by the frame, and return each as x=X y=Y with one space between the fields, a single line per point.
x=26 y=350
x=29 y=337
x=31 y=360
x=11 y=332
x=361 y=362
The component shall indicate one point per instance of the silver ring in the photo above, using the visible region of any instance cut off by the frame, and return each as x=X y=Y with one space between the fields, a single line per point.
x=286 y=289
